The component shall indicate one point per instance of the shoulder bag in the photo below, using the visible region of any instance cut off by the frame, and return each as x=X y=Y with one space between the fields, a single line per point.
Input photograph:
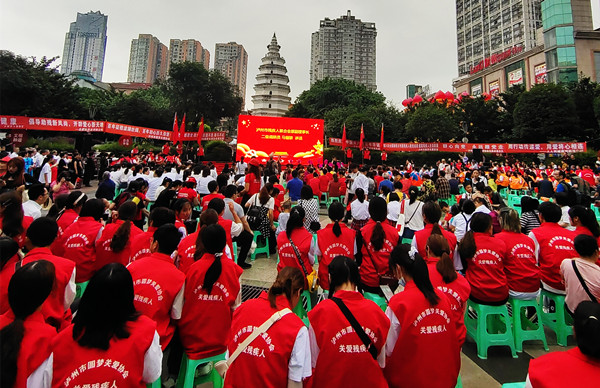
x=311 y=278
x=357 y=327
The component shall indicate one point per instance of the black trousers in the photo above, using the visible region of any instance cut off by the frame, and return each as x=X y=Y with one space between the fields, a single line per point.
x=244 y=240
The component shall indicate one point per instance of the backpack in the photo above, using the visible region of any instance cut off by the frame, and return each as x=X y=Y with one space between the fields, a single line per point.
x=258 y=217
x=574 y=194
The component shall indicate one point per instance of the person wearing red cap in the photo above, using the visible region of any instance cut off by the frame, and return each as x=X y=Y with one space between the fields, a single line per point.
x=188 y=191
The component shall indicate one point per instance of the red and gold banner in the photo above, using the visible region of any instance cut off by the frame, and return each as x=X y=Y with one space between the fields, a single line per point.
x=468 y=147
x=50 y=124
x=287 y=139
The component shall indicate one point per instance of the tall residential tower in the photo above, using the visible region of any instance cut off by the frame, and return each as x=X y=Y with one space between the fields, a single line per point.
x=188 y=50
x=85 y=45
x=344 y=48
x=231 y=60
x=272 y=90
x=148 y=59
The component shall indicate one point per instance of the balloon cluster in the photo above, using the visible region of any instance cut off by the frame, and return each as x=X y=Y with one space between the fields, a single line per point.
x=440 y=97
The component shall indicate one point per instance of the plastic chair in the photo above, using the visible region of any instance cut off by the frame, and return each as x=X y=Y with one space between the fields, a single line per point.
x=331 y=199
x=379 y=300
x=458 y=382
x=260 y=249
x=188 y=370
x=558 y=320
x=514 y=385
x=315 y=242
x=520 y=323
x=488 y=318
x=80 y=289
x=324 y=201
x=155 y=384
x=299 y=310
x=235 y=251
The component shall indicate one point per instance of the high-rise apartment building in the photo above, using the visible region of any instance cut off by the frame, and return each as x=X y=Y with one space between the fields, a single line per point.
x=85 y=45
x=272 y=92
x=189 y=50
x=344 y=48
x=488 y=27
x=148 y=59
x=231 y=60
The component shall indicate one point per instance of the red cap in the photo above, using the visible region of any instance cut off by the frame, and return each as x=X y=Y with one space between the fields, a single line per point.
x=191 y=179
x=254 y=162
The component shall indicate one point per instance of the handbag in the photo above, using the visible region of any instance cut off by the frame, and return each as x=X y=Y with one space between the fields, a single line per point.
x=357 y=327
x=311 y=278
x=385 y=279
x=223 y=366
x=256 y=215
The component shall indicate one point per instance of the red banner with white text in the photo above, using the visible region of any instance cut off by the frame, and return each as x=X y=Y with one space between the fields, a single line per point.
x=468 y=147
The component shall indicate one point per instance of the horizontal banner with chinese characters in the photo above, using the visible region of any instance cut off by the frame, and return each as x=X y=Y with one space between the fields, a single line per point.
x=468 y=147
x=49 y=124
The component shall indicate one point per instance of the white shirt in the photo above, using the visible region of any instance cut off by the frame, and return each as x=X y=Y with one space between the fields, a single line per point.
x=482 y=209
x=565 y=218
x=46 y=174
x=360 y=211
x=240 y=168
x=461 y=224
x=153 y=184
x=202 y=184
x=361 y=182
x=32 y=209
x=253 y=200
x=38 y=159
x=300 y=365
x=413 y=215
x=236 y=207
x=393 y=209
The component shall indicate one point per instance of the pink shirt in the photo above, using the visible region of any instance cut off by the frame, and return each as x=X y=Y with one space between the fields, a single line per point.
x=575 y=292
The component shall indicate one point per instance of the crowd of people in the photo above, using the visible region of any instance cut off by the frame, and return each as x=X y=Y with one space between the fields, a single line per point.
x=118 y=288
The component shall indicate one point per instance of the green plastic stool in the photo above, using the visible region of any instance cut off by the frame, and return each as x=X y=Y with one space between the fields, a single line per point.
x=406 y=240
x=235 y=252
x=514 y=385
x=264 y=249
x=520 y=323
x=331 y=199
x=488 y=318
x=558 y=321
x=379 y=300
x=188 y=370
x=155 y=384
x=324 y=201
x=459 y=382
x=299 y=310
x=80 y=289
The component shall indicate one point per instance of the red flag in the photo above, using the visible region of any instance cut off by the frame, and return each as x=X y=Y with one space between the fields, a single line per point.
x=200 y=131
x=344 y=138
x=182 y=130
x=174 y=134
x=362 y=137
x=381 y=141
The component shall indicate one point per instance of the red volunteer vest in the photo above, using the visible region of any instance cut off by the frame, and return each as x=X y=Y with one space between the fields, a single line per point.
x=186 y=250
x=376 y=263
x=324 y=182
x=7 y=272
x=427 y=337
x=207 y=198
x=53 y=309
x=332 y=246
x=156 y=282
x=36 y=346
x=121 y=365
x=264 y=363
x=287 y=257
x=559 y=369
x=254 y=182
x=20 y=239
x=104 y=253
x=556 y=244
x=67 y=218
x=341 y=349
x=457 y=293
x=78 y=244
x=485 y=271
x=520 y=265
x=314 y=185
x=205 y=321
x=422 y=235
x=140 y=245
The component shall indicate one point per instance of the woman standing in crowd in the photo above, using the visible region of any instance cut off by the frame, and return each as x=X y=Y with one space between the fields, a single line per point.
x=334 y=240
x=422 y=330
x=107 y=327
x=483 y=257
x=311 y=209
x=13 y=222
x=212 y=292
x=26 y=355
x=114 y=246
x=520 y=264
x=266 y=202
x=296 y=246
x=106 y=187
x=413 y=213
x=78 y=242
x=281 y=356
x=378 y=240
x=359 y=209
x=360 y=360
x=444 y=278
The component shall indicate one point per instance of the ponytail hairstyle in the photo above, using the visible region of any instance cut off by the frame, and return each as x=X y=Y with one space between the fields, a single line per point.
x=214 y=239
x=378 y=213
x=127 y=213
x=509 y=220
x=8 y=248
x=265 y=193
x=587 y=218
x=208 y=217
x=413 y=264
x=360 y=195
x=587 y=328
x=28 y=288
x=432 y=212
x=413 y=193
x=336 y=214
x=439 y=248
x=75 y=201
x=289 y=281
x=480 y=223
x=342 y=269
x=12 y=214
x=295 y=221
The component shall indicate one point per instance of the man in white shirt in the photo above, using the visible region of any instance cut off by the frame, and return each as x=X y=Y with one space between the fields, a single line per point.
x=240 y=167
x=38 y=194
x=361 y=181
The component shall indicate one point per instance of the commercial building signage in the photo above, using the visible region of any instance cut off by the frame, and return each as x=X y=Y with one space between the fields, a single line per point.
x=515 y=77
x=495 y=88
x=541 y=77
x=496 y=58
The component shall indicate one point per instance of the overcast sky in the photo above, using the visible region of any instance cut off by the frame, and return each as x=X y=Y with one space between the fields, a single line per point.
x=416 y=39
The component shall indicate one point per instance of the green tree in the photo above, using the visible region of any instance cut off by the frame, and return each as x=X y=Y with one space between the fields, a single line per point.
x=481 y=118
x=584 y=92
x=430 y=123
x=35 y=88
x=545 y=112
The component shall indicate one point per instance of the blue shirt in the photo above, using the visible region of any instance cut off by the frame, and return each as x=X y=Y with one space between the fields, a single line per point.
x=294 y=187
x=387 y=183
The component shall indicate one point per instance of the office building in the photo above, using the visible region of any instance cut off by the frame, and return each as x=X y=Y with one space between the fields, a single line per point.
x=231 y=60
x=147 y=60
x=85 y=45
x=272 y=92
x=344 y=48
x=188 y=50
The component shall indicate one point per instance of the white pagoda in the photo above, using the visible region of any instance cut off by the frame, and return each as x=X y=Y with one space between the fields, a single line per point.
x=271 y=90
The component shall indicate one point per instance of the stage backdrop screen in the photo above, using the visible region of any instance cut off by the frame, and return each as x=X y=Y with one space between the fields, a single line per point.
x=287 y=139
